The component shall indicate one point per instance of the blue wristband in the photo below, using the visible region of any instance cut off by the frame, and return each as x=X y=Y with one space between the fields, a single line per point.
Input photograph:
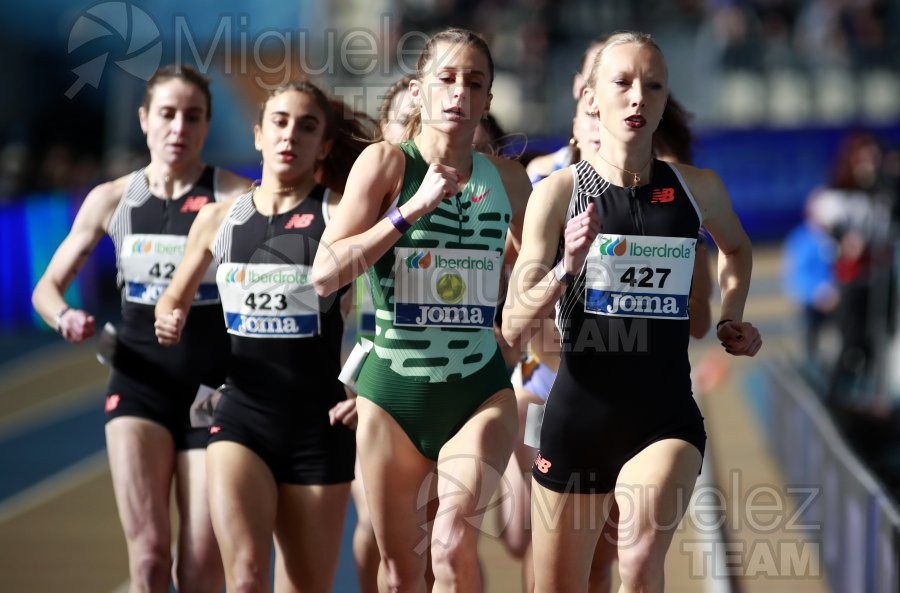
x=397 y=220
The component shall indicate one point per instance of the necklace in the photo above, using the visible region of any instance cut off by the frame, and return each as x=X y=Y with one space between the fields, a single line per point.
x=278 y=191
x=155 y=183
x=635 y=174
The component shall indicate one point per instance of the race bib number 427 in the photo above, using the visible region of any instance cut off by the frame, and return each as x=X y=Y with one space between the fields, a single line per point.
x=638 y=276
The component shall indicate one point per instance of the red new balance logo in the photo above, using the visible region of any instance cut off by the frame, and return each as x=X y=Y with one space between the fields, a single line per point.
x=299 y=221
x=194 y=203
x=542 y=465
x=476 y=199
x=662 y=195
x=112 y=402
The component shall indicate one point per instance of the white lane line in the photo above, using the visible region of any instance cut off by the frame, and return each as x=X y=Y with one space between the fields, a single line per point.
x=53 y=487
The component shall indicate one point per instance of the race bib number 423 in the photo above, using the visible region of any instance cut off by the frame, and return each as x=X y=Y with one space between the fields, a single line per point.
x=446 y=287
x=268 y=300
x=638 y=276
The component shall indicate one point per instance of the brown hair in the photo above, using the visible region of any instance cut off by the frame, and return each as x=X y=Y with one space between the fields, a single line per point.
x=181 y=72
x=453 y=37
x=384 y=110
x=856 y=148
x=349 y=132
x=674 y=135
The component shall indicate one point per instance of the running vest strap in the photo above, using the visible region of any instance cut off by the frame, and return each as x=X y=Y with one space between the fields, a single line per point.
x=449 y=260
x=283 y=336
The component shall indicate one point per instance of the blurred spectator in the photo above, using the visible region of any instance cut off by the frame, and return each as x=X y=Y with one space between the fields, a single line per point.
x=808 y=278
x=819 y=36
x=861 y=223
x=13 y=171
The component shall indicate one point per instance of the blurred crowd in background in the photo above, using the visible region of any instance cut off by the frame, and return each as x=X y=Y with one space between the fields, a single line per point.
x=733 y=63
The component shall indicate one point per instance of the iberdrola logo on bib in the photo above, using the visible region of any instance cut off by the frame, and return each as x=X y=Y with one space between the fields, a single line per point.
x=234 y=276
x=142 y=246
x=614 y=246
x=419 y=260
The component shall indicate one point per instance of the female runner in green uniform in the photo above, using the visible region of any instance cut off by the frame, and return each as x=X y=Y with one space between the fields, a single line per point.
x=430 y=218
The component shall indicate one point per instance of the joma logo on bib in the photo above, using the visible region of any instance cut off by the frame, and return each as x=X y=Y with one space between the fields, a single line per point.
x=628 y=303
x=429 y=314
x=250 y=324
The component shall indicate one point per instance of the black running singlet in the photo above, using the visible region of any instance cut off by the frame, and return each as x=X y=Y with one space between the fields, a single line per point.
x=285 y=340
x=149 y=234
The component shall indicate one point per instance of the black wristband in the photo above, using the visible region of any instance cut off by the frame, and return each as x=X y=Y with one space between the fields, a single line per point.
x=59 y=317
x=721 y=323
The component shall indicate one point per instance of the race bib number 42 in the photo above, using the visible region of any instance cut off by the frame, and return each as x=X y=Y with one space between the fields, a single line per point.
x=268 y=300
x=148 y=263
x=638 y=276
x=446 y=287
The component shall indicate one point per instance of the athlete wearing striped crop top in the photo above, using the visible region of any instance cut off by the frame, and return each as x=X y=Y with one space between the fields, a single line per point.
x=149 y=435
x=610 y=243
x=279 y=463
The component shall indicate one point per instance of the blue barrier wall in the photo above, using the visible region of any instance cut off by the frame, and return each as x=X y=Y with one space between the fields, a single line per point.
x=30 y=231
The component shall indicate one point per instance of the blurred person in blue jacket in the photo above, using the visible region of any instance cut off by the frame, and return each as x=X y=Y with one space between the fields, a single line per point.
x=807 y=274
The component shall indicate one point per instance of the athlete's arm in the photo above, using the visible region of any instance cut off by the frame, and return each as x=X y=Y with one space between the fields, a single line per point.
x=88 y=228
x=533 y=287
x=518 y=188
x=358 y=234
x=701 y=291
x=349 y=297
x=735 y=259
x=175 y=303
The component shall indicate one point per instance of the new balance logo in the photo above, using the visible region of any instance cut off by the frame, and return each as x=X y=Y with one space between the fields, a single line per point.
x=542 y=465
x=476 y=199
x=194 y=203
x=112 y=402
x=662 y=195
x=299 y=221
x=215 y=429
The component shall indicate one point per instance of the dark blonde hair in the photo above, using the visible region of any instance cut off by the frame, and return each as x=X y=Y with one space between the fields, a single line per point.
x=453 y=37
x=621 y=38
x=349 y=132
x=181 y=72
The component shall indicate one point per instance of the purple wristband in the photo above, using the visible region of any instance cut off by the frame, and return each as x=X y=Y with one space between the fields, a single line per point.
x=397 y=220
